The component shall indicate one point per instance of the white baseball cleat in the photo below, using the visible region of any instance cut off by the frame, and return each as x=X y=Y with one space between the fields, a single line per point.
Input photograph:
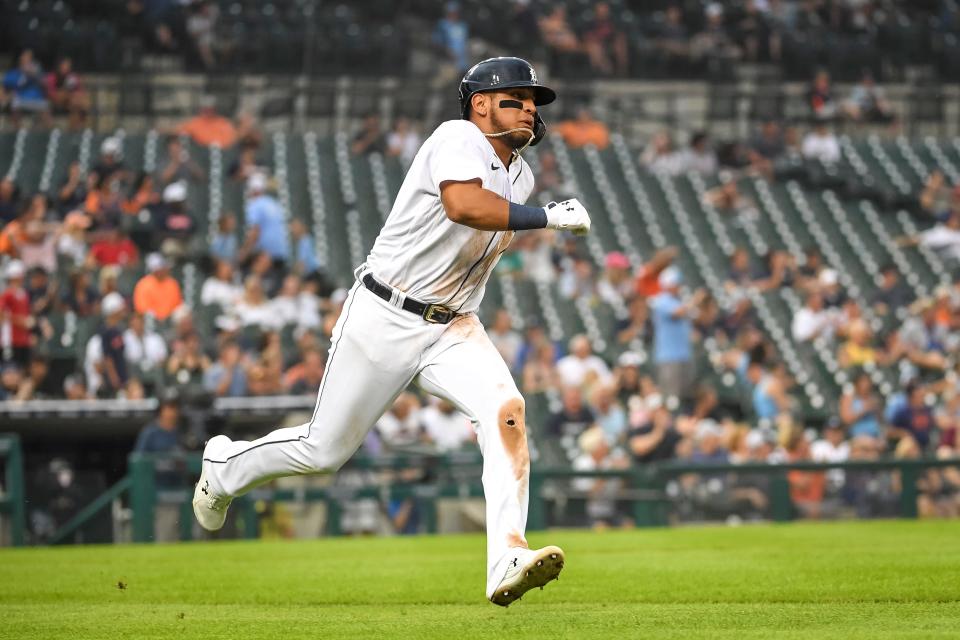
x=210 y=508
x=524 y=570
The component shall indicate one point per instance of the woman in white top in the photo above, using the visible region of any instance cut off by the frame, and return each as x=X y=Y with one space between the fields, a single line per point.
x=219 y=288
x=253 y=308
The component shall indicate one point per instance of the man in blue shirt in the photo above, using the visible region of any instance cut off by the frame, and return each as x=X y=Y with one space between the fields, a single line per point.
x=451 y=35
x=161 y=437
x=266 y=226
x=672 y=335
x=25 y=88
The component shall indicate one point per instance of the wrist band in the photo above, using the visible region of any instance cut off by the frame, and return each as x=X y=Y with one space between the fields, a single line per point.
x=524 y=217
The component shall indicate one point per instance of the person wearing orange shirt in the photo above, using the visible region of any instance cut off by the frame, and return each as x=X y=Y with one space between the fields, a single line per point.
x=208 y=127
x=584 y=130
x=157 y=292
x=647 y=282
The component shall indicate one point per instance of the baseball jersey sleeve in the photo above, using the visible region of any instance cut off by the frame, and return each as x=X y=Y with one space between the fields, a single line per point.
x=456 y=157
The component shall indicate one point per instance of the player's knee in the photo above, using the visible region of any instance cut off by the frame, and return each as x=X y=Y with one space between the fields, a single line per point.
x=511 y=423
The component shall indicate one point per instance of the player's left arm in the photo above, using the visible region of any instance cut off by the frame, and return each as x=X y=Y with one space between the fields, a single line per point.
x=469 y=204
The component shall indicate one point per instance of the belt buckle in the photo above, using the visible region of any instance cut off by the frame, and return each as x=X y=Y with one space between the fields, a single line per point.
x=438 y=314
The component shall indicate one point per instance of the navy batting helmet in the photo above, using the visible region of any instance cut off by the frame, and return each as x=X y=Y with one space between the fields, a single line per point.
x=496 y=74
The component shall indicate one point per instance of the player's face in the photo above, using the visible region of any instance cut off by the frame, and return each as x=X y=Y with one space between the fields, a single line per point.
x=506 y=118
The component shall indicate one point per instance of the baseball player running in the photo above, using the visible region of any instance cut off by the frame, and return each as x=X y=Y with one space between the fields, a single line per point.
x=411 y=317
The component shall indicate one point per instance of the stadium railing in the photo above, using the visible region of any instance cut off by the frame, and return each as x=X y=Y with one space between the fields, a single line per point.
x=12 y=502
x=645 y=488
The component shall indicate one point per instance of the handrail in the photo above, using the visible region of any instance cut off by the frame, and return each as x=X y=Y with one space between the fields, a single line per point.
x=81 y=518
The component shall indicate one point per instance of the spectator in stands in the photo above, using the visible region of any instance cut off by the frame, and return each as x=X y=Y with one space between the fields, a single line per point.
x=161 y=436
x=9 y=200
x=858 y=350
x=915 y=419
x=246 y=164
x=659 y=155
x=557 y=33
x=400 y=426
x=39 y=246
x=179 y=167
x=370 y=138
x=769 y=386
x=615 y=285
x=807 y=488
x=868 y=103
x=11 y=381
x=726 y=197
x=224 y=244
x=72 y=244
x=113 y=364
x=219 y=289
x=893 y=294
x=114 y=248
x=266 y=228
x=23 y=89
x=594 y=454
x=699 y=156
x=672 y=38
x=573 y=418
x=739 y=273
x=861 y=409
x=584 y=130
x=145 y=349
x=446 y=428
x=208 y=127
x=714 y=43
x=504 y=338
x=253 y=308
x=110 y=166
x=635 y=327
x=285 y=305
x=812 y=320
x=655 y=438
x=832 y=448
x=157 y=292
x=67 y=94
x=42 y=291
x=305 y=262
x=647 y=283
x=582 y=367
x=451 y=37
x=143 y=195
x=15 y=343
x=201 y=25
x=304 y=378
x=767 y=147
x=820 y=99
x=540 y=369
x=605 y=43
x=609 y=415
x=938 y=197
x=821 y=144
x=753 y=31
x=403 y=141
x=71 y=195
x=188 y=364
x=942 y=237
x=673 y=335
x=80 y=296
x=175 y=223
x=227 y=377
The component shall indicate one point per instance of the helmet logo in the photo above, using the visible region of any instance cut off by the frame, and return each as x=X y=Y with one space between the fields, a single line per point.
x=533 y=76
x=495 y=79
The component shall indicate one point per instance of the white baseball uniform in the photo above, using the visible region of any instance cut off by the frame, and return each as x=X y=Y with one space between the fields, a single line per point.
x=378 y=348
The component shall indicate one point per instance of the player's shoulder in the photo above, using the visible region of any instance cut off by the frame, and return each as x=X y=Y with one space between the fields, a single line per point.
x=462 y=130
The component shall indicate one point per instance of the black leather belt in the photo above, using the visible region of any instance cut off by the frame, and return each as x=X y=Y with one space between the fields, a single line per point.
x=433 y=313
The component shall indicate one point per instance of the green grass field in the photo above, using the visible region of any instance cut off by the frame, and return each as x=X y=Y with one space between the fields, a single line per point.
x=849 y=580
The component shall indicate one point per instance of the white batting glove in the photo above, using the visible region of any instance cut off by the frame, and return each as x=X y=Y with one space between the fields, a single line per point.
x=568 y=215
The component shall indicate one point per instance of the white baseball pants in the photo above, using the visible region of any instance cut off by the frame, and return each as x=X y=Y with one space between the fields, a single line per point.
x=377 y=350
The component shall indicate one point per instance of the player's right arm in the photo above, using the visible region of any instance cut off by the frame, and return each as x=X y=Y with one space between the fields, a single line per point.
x=469 y=204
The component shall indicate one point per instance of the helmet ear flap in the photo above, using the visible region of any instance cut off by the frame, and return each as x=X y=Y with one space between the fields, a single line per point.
x=539 y=129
